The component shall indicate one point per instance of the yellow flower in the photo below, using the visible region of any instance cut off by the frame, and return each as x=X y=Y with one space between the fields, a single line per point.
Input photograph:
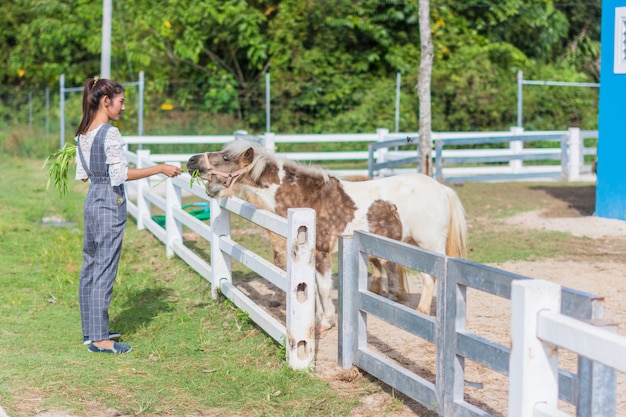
x=21 y=72
x=167 y=24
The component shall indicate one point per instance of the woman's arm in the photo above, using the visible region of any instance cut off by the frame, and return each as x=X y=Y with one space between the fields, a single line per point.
x=139 y=173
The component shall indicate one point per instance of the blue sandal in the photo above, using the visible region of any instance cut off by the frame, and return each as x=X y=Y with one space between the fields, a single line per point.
x=116 y=349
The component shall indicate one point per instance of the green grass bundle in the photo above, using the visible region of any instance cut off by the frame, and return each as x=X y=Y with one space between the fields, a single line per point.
x=60 y=162
x=195 y=176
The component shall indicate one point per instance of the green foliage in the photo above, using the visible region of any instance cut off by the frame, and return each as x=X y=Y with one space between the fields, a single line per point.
x=333 y=64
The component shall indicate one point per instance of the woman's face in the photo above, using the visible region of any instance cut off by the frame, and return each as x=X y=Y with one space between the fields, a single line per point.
x=115 y=107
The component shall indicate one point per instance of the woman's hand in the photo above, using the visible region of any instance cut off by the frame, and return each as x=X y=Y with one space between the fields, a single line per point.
x=170 y=170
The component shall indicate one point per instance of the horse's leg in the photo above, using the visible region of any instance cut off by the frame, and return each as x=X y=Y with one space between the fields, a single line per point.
x=396 y=281
x=325 y=309
x=377 y=275
x=427 y=293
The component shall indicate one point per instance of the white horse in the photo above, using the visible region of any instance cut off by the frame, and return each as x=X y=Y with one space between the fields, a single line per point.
x=412 y=208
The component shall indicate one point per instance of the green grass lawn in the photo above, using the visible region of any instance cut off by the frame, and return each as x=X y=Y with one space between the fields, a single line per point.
x=191 y=355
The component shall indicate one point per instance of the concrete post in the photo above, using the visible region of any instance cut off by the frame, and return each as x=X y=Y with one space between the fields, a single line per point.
x=516 y=146
x=574 y=153
x=143 y=207
x=533 y=366
x=173 y=227
x=300 y=320
x=221 y=264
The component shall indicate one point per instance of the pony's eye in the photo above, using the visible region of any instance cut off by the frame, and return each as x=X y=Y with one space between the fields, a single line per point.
x=225 y=158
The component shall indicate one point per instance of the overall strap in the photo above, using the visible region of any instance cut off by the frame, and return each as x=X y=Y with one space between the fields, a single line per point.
x=98 y=169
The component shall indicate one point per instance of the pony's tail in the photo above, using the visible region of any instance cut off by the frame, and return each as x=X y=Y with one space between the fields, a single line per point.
x=456 y=244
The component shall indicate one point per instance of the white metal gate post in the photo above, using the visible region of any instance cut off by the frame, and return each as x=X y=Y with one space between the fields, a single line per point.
x=173 y=227
x=348 y=308
x=352 y=280
x=221 y=264
x=533 y=366
x=143 y=207
x=300 y=320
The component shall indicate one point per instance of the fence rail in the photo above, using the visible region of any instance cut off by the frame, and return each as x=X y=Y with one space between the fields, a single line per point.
x=390 y=153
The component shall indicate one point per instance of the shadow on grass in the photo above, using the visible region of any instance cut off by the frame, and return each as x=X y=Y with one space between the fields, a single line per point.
x=579 y=198
x=141 y=308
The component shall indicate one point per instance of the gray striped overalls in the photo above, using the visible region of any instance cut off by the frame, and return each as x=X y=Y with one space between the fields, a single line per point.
x=105 y=220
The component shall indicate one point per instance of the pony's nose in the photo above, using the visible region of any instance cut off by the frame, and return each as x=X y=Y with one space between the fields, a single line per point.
x=193 y=161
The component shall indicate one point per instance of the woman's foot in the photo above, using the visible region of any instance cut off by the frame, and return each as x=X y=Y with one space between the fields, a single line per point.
x=109 y=346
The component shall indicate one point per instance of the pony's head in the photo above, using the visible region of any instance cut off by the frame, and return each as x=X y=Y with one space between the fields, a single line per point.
x=221 y=170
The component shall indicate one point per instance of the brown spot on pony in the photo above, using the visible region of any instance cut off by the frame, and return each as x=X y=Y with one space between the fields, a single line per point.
x=417 y=208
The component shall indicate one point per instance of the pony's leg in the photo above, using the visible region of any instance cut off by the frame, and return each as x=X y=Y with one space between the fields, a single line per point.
x=427 y=293
x=325 y=311
x=396 y=281
x=377 y=276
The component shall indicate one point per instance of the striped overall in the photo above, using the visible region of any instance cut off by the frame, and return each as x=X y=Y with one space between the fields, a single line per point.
x=105 y=220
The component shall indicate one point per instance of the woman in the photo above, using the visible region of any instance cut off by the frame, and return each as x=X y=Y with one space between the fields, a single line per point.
x=101 y=159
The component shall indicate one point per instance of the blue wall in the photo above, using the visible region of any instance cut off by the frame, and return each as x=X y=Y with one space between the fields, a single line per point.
x=611 y=176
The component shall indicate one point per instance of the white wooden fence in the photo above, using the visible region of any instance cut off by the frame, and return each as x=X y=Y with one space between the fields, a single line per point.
x=297 y=282
x=391 y=153
x=538 y=331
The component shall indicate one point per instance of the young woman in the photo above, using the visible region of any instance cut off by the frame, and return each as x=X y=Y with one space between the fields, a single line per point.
x=100 y=158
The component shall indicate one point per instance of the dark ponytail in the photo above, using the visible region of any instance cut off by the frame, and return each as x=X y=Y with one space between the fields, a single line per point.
x=93 y=91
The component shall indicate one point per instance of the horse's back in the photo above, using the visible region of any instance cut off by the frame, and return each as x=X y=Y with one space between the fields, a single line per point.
x=422 y=204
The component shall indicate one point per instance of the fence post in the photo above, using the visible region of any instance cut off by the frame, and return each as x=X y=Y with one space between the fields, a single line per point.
x=62 y=110
x=574 y=154
x=143 y=207
x=173 y=227
x=533 y=365
x=516 y=146
x=221 y=265
x=300 y=319
x=381 y=153
x=269 y=141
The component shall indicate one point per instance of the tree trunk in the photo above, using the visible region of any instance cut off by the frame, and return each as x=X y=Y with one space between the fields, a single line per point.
x=423 y=88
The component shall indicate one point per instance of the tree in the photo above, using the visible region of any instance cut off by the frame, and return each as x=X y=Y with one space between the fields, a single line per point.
x=423 y=88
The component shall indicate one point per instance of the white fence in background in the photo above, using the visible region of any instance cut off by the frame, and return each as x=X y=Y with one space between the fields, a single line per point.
x=463 y=156
x=297 y=281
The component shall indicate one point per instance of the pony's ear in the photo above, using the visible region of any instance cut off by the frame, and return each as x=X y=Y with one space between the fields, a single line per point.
x=248 y=157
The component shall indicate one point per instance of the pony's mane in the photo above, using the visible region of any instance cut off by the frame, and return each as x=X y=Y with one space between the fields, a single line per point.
x=262 y=158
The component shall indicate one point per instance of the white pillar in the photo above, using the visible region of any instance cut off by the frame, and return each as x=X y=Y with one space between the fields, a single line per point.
x=173 y=227
x=269 y=141
x=221 y=264
x=300 y=320
x=574 y=153
x=143 y=208
x=516 y=146
x=381 y=153
x=533 y=365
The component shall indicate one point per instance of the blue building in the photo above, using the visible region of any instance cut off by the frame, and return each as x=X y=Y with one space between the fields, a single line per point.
x=611 y=174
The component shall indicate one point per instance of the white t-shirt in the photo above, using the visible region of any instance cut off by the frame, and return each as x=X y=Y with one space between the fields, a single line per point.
x=113 y=149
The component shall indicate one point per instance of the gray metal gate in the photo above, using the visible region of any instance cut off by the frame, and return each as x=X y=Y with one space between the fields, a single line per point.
x=454 y=343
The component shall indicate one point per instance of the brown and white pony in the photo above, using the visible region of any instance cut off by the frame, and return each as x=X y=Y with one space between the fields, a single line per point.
x=412 y=208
